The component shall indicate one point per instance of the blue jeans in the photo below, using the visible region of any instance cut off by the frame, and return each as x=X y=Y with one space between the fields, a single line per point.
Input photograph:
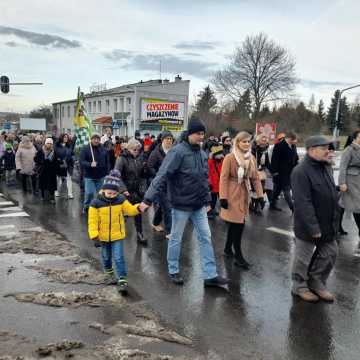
x=201 y=225
x=92 y=187
x=114 y=250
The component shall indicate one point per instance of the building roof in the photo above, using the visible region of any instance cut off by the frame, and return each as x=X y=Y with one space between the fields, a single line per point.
x=103 y=120
x=125 y=88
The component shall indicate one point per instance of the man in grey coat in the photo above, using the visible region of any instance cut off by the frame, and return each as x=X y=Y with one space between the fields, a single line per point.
x=315 y=222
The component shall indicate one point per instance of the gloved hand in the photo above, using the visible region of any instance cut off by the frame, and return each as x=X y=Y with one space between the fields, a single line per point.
x=97 y=242
x=224 y=204
x=261 y=202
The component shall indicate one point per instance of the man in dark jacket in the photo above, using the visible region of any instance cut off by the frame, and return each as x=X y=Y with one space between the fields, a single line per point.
x=184 y=173
x=155 y=160
x=315 y=222
x=95 y=165
x=284 y=159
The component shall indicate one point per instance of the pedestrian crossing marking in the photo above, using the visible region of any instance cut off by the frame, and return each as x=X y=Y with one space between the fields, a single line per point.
x=15 y=214
x=281 y=231
x=11 y=208
x=3 y=227
x=6 y=203
x=8 y=234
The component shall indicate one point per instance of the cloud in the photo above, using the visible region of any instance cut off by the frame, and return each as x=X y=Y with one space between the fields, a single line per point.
x=38 y=39
x=319 y=83
x=170 y=63
x=197 y=45
x=11 y=44
x=192 y=54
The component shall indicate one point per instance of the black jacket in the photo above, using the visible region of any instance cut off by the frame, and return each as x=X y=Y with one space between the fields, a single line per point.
x=48 y=167
x=65 y=156
x=184 y=176
x=261 y=155
x=8 y=160
x=101 y=157
x=133 y=173
x=284 y=159
x=315 y=201
x=155 y=160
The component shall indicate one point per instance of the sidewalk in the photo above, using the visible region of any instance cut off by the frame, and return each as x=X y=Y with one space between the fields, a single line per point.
x=54 y=303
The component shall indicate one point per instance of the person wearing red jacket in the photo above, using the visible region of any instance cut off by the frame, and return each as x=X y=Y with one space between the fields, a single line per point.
x=214 y=163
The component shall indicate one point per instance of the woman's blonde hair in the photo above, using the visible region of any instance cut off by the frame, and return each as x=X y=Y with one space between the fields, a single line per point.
x=242 y=135
x=133 y=144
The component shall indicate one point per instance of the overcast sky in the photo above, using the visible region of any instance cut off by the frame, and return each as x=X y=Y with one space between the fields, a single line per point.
x=66 y=44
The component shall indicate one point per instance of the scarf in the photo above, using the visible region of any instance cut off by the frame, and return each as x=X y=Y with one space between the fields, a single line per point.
x=49 y=154
x=243 y=161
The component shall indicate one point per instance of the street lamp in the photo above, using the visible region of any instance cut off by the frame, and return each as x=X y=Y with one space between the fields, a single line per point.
x=336 y=130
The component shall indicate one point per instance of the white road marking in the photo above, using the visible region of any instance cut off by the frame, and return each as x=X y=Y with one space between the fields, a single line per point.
x=8 y=234
x=6 y=203
x=3 y=227
x=281 y=231
x=15 y=214
x=11 y=208
x=35 y=229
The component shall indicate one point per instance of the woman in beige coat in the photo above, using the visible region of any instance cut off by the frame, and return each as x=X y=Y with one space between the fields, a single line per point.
x=25 y=163
x=238 y=172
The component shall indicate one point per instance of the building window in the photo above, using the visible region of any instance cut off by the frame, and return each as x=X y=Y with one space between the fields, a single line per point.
x=121 y=105
x=107 y=103
x=74 y=110
x=115 y=105
x=129 y=100
x=94 y=105
x=68 y=111
x=99 y=106
x=62 y=111
x=89 y=106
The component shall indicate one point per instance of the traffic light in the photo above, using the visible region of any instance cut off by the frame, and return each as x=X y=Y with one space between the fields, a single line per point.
x=5 y=84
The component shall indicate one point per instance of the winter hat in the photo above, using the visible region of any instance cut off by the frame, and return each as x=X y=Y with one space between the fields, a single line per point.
x=49 y=141
x=95 y=134
x=112 y=181
x=195 y=125
x=216 y=150
x=8 y=146
x=165 y=134
x=317 y=140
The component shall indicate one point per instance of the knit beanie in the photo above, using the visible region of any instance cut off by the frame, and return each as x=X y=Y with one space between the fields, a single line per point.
x=8 y=146
x=112 y=181
x=165 y=134
x=195 y=125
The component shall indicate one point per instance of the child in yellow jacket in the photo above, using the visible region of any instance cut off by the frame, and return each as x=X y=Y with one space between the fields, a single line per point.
x=106 y=224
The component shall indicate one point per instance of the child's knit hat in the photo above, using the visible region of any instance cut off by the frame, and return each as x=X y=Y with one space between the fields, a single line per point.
x=112 y=181
x=8 y=146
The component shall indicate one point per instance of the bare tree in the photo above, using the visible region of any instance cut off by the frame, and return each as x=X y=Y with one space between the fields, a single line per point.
x=261 y=66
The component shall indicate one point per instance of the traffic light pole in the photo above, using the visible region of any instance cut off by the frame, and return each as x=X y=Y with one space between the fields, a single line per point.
x=336 y=128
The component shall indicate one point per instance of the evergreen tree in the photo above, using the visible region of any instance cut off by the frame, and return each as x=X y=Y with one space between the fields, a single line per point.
x=206 y=101
x=243 y=107
x=343 y=118
x=320 y=112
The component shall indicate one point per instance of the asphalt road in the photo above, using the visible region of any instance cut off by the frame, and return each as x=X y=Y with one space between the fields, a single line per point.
x=257 y=318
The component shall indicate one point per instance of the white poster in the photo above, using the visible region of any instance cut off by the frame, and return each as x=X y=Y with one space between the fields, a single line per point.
x=33 y=124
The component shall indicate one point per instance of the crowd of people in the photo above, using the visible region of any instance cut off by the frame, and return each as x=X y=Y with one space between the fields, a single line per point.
x=197 y=179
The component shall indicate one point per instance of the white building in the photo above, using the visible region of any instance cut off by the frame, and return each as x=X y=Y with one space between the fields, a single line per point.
x=150 y=106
